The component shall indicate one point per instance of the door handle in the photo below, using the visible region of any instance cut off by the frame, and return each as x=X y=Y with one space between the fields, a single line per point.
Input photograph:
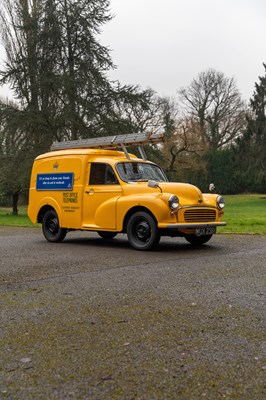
x=90 y=191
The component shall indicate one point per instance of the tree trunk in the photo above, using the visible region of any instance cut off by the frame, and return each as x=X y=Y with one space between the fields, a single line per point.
x=15 y=197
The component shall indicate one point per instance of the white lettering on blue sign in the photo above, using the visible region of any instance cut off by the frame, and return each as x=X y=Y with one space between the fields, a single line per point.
x=55 y=181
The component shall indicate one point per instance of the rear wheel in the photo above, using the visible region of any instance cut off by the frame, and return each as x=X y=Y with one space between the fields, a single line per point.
x=107 y=235
x=51 y=228
x=197 y=240
x=142 y=231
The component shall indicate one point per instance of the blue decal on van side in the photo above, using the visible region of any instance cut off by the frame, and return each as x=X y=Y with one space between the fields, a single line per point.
x=60 y=181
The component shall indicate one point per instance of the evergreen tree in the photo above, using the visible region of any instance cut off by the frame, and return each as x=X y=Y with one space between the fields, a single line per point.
x=57 y=70
x=251 y=147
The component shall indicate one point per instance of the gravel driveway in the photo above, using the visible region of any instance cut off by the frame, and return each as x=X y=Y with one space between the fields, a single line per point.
x=95 y=319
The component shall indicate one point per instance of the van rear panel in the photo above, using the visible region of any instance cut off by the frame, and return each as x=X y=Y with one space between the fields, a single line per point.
x=58 y=181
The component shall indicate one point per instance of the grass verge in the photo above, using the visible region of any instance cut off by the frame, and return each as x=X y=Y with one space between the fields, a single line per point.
x=22 y=219
x=243 y=214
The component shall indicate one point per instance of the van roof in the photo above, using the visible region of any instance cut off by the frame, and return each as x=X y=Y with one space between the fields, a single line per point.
x=81 y=152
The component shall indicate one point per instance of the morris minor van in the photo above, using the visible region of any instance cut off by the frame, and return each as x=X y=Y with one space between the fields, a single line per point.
x=90 y=185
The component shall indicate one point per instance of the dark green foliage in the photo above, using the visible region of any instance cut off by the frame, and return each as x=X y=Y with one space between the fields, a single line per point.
x=251 y=147
x=15 y=157
x=57 y=69
x=222 y=171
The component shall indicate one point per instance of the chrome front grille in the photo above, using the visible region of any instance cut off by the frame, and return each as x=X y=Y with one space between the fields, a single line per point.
x=200 y=215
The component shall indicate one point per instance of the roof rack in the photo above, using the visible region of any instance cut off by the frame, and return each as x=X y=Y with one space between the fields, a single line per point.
x=112 y=142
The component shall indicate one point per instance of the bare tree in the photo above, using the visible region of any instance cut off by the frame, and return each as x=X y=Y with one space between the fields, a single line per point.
x=184 y=142
x=185 y=146
x=15 y=154
x=215 y=102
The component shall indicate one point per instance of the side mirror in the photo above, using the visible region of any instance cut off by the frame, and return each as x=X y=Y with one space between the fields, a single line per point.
x=211 y=187
x=153 y=184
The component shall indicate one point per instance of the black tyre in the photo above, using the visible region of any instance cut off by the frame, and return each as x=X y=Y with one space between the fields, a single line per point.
x=197 y=240
x=51 y=228
x=142 y=231
x=107 y=235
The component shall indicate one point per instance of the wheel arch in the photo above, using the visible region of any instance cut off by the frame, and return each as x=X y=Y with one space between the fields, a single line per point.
x=46 y=204
x=43 y=210
x=132 y=211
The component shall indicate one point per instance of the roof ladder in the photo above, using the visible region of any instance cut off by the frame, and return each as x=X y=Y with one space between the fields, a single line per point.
x=112 y=142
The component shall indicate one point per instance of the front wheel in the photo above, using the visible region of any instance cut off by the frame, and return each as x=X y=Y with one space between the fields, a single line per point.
x=142 y=231
x=197 y=240
x=51 y=228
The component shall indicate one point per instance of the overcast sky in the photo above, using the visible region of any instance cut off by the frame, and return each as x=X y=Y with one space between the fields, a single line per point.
x=165 y=44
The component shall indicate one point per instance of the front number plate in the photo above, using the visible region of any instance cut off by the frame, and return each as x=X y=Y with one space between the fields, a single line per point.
x=205 y=231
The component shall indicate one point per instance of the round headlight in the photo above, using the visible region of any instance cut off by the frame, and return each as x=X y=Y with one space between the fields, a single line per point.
x=173 y=202
x=220 y=202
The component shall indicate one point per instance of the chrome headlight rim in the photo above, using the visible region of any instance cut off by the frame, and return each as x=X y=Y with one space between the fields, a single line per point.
x=220 y=202
x=173 y=202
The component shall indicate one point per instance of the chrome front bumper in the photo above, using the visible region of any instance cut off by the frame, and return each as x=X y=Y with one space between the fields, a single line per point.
x=191 y=225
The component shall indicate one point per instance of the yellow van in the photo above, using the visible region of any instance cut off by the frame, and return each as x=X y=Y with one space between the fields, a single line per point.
x=91 y=185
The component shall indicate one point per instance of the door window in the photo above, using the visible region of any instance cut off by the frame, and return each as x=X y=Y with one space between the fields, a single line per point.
x=102 y=174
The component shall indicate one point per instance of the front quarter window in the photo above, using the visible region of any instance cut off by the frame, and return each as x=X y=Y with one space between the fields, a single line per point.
x=140 y=171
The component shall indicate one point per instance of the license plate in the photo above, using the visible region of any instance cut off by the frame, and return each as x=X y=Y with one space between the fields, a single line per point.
x=205 y=231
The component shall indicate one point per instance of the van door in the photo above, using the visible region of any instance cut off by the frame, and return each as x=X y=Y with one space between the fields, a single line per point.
x=100 y=197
